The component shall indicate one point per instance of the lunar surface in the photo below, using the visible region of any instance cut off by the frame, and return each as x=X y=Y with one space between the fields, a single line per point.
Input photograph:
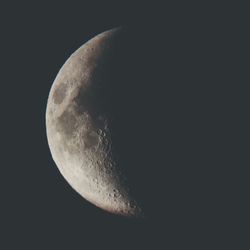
x=81 y=122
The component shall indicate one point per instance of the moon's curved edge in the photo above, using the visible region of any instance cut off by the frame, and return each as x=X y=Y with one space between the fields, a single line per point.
x=110 y=209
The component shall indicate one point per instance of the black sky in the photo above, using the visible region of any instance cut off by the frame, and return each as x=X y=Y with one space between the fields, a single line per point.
x=194 y=46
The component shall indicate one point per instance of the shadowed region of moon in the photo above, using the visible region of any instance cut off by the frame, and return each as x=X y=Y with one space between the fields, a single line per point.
x=125 y=126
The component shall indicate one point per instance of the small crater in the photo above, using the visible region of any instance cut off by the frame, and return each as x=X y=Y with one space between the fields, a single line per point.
x=108 y=171
x=99 y=162
x=60 y=93
x=127 y=204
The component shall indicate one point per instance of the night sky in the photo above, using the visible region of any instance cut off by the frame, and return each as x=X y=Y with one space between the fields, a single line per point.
x=192 y=67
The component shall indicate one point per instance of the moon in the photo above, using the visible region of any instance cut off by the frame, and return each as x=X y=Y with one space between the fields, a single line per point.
x=80 y=126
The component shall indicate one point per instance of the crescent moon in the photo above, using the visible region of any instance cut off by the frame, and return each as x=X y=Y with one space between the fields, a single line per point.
x=78 y=128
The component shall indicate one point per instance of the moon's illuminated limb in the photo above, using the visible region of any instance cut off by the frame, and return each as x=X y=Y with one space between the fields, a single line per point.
x=78 y=129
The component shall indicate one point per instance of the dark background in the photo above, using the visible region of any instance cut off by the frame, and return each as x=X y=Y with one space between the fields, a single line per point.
x=195 y=204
